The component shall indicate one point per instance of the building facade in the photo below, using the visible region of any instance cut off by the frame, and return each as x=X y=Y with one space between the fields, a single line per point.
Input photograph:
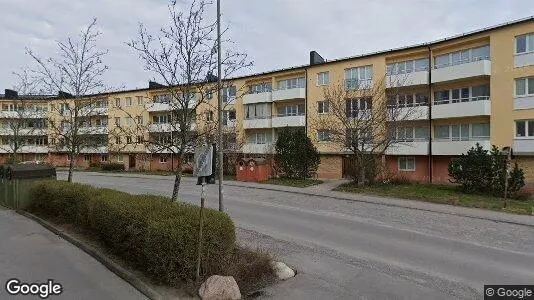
x=473 y=88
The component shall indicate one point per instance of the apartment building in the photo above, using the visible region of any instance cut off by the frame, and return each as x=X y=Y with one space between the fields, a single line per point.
x=473 y=88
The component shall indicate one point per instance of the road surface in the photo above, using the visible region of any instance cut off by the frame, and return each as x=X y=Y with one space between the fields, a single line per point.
x=355 y=250
x=32 y=254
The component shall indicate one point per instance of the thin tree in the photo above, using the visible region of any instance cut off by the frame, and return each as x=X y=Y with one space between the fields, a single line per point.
x=75 y=73
x=183 y=59
x=363 y=118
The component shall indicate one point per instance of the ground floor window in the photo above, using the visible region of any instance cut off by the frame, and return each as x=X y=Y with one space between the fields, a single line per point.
x=39 y=157
x=163 y=159
x=87 y=157
x=104 y=158
x=120 y=158
x=406 y=163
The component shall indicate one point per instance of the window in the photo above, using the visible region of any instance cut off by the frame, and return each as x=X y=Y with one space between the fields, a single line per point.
x=421 y=65
x=524 y=128
x=463 y=132
x=323 y=78
x=524 y=43
x=357 y=138
x=228 y=117
x=406 y=163
x=323 y=107
x=129 y=121
x=409 y=66
x=358 y=78
x=120 y=158
x=118 y=121
x=258 y=111
x=104 y=158
x=292 y=83
x=139 y=139
x=462 y=57
x=480 y=92
x=291 y=110
x=117 y=102
x=421 y=99
x=118 y=140
x=160 y=119
x=323 y=136
x=354 y=106
x=228 y=94
x=209 y=95
x=139 y=100
x=259 y=138
x=209 y=116
x=163 y=159
x=87 y=157
x=139 y=120
x=480 y=131
x=442 y=132
x=524 y=86
x=260 y=88
x=129 y=140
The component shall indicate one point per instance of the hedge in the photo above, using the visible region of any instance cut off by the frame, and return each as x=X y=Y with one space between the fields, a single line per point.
x=112 y=167
x=158 y=236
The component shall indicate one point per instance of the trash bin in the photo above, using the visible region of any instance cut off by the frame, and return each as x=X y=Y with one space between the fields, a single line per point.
x=253 y=170
x=15 y=182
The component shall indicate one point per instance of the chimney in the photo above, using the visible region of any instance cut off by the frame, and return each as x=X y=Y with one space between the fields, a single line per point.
x=315 y=58
x=211 y=78
x=10 y=94
x=64 y=95
x=155 y=85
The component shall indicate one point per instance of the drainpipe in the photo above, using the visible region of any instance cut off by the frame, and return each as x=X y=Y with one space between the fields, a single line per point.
x=306 y=101
x=430 y=160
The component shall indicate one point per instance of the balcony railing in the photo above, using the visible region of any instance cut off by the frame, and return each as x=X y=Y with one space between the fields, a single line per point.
x=357 y=84
x=461 y=62
x=471 y=99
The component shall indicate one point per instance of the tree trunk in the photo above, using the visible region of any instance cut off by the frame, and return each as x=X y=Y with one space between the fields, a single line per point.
x=71 y=167
x=177 y=181
x=361 y=169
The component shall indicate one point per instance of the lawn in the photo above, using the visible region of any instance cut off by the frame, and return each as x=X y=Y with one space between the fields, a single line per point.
x=293 y=182
x=443 y=194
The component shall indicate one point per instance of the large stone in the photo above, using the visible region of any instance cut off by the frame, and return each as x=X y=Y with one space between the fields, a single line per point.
x=283 y=272
x=219 y=288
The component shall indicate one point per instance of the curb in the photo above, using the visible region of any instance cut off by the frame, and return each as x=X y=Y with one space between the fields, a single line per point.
x=112 y=266
x=379 y=201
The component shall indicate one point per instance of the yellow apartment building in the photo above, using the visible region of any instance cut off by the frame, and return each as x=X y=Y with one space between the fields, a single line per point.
x=472 y=88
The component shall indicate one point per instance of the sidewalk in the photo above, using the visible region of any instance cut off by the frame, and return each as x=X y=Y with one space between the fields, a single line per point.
x=324 y=190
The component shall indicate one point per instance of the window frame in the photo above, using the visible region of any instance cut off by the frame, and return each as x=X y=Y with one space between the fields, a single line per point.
x=324 y=136
x=527 y=86
x=527 y=128
x=323 y=78
x=528 y=36
x=403 y=160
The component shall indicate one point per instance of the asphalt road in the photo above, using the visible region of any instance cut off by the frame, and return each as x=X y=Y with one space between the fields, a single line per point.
x=32 y=254
x=355 y=250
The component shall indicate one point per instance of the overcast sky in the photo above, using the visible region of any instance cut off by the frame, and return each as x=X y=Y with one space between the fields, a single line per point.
x=274 y=33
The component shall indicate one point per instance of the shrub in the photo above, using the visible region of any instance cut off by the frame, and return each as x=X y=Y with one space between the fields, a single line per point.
x=296 y=156
x=156 y=235
x=95 y=165
x=368 y=164
x=113 y=167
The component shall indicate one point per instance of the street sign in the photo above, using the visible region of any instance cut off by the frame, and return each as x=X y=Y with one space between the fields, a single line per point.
x=203 y=161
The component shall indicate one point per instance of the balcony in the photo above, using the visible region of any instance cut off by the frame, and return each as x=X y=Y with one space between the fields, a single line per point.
x=524 y=146
x=167 y=127
x=524 y=102
x=410 y=79
x=23 y=131
x=257 y=123
x=476 y=106
x=469 y=69
x=96 y=111
x=94 y=150
x=524 y=59
x=449 y=147
x=258 y=98
x=166 y=106
x=93 y=130
x=291 y=121
x=408 y=113
x=289 y=94
x=408 y=148
x=258 y=148
x=23 y=114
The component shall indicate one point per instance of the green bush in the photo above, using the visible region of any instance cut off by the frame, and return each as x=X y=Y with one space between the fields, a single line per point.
x=113 y=167
x=158 y=236
x=296 y=156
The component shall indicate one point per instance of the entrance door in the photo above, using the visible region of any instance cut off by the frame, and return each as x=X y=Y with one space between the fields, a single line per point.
x=131 y=162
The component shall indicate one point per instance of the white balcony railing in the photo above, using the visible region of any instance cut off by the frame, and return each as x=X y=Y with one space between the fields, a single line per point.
x=408 y=113
x=289 y=94
x=451 y=72
x=94 y=149
x=251 y=148
x=257 y=123
x=524 y=102
x=23 y=114
x=409 y=79
x=291 y=121
x=524 y=59
x=524 y=146
x=93 y=129
x=23 y=131
x=451 y=147
x=476 y=106
x=415 y=147
x=258 y=98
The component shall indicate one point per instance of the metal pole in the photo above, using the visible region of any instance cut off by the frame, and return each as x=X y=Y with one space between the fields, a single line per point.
x=201 y=224
x=219 y=107
x=508 y=159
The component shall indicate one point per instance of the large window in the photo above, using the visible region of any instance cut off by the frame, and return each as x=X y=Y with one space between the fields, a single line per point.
x=462 y=57
x=524 y=128
x=259 y=138
x=291 y=110
x=411 y=134
x=323 y=107
x=406 y=163
x=228 y=94
x=161 y=119
x=292 y=83
x=462 y=132
x=162 y=99
x=258 y=111
x=464 y=94
x=408 y=100
x=260 y=88
x=524 y=43
x=524 y=86
x=323 y=78
x=358 y=78
x=409 y=66
x=324 y=136
x=358 y=107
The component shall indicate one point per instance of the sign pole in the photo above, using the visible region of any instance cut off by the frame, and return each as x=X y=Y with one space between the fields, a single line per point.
x=201 y=224
x=220 y=110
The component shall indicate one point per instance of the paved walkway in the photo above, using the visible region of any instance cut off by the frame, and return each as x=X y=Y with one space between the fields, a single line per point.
x=33 y=254
x=324 y=190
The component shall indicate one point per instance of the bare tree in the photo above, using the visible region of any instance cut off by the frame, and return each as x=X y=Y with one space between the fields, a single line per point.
x=24 y=117
x=75 y=73
x=183 y=59
x=363 y=119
